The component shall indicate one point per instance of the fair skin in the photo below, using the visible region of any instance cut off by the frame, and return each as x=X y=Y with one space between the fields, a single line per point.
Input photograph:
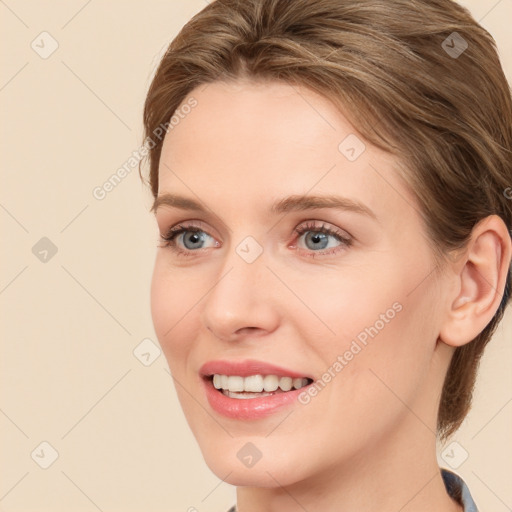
x=372 y=428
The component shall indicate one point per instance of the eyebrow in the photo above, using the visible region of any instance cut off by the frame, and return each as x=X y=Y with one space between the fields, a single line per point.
x=285 y=205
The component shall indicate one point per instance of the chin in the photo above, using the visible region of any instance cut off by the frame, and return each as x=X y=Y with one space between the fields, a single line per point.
x=235 y=467
x=251 y=477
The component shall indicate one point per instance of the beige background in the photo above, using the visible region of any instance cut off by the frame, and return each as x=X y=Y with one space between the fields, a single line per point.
x=69 y=326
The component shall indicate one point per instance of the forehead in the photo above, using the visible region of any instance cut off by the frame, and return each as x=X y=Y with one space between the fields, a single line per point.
x=243 y=143
x=272 y=115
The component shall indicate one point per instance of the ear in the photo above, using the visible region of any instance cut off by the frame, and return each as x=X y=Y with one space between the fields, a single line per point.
x=479 y=275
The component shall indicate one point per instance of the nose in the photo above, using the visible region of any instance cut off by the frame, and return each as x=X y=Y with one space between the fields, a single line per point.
x=242 y=301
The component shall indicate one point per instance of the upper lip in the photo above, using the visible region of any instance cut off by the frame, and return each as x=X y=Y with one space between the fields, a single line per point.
x=247 y=367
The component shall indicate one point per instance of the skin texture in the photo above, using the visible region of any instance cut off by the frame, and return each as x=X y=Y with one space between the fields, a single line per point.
x=367 y=440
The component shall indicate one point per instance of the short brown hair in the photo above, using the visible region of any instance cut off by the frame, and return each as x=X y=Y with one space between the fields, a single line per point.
x=404 y=80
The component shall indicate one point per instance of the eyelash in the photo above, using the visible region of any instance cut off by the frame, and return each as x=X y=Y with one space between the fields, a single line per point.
x=169 y=240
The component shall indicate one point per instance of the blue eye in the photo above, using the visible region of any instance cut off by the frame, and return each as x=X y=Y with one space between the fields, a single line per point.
x=170 y=238
x=320 y=235
x=194 y=241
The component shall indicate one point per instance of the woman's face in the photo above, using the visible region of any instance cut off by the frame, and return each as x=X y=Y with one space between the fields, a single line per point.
x=356 y=309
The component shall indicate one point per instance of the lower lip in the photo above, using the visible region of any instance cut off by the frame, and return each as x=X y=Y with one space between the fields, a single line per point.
x=248 y=408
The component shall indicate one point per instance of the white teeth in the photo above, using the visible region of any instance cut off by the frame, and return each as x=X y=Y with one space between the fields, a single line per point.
x=257 y=383
x=270 y=383
x=298 y=383
x=236 y=383
x=254 y=383
x=286 y=383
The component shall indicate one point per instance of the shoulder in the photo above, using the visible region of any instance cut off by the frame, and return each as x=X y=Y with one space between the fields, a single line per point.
x=455 y=486
x=458 y=490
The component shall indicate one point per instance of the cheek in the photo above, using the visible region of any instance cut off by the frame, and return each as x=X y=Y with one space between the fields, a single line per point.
x=383 y=332
x=172 y=306
x=365 y=401
x=393 y=367
x=347 y=304
x=161 y=301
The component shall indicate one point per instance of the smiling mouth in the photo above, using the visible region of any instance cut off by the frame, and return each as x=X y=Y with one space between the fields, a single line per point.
x=256 y=386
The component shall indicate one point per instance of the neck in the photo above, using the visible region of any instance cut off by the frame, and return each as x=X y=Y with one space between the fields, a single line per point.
x=400 y=475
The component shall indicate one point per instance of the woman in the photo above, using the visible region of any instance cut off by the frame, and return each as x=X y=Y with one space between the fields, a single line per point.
x=330 y=181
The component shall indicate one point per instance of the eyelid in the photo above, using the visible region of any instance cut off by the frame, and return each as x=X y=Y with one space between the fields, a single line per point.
x=192 y=225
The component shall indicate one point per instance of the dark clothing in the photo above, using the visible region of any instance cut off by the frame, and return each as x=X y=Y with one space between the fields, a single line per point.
x=455 y=486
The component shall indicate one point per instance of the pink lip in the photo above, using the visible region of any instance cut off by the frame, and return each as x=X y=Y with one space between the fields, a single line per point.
x=251 y=408
x=246 y=368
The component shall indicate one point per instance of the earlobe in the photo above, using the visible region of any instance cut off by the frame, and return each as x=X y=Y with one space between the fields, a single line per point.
x=480 y=275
